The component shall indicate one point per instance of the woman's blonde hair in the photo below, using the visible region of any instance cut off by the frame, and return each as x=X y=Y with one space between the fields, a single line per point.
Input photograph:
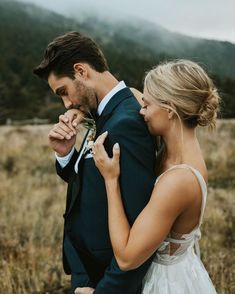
x=184 y=87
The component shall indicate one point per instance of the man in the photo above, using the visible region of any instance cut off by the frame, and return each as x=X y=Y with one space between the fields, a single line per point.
x=77 y=71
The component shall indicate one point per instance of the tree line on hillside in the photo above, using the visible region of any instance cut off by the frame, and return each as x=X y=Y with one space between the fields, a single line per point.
x=23 y=38
x=23 y=95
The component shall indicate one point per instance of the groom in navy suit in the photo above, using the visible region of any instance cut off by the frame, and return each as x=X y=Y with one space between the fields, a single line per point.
x=77 y=71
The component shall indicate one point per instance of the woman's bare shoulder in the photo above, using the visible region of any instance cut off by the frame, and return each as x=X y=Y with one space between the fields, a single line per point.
x=138 y=95
x=177 y=183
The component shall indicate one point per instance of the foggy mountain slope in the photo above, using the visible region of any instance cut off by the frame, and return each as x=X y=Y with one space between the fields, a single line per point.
x=131 y=47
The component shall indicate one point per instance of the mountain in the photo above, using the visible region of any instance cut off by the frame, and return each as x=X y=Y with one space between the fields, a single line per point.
x=219 y=57
x=131 y=47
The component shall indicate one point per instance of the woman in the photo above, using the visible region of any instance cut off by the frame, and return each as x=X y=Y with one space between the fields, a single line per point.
x=178 y=96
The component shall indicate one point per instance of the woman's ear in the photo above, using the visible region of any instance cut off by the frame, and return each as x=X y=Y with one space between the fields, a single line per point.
x=170 y=114
x=171 y=111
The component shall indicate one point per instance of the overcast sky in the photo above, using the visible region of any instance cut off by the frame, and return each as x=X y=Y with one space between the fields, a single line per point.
x=212 y=19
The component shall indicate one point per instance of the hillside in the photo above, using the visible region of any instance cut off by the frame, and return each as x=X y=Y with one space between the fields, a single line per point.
x=219 y=57
x=130 y=47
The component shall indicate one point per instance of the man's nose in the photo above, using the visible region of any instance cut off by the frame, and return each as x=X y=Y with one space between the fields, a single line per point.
x=67 y=103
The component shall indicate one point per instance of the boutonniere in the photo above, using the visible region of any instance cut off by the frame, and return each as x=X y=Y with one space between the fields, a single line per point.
x=90 y=124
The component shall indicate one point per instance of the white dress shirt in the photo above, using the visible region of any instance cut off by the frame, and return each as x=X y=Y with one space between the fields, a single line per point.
x=63 y=161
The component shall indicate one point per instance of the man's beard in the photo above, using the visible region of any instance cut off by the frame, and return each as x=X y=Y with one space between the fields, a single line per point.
x=88 y=98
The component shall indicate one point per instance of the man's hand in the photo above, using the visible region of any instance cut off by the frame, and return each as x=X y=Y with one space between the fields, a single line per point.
x=62 y=136
x=84 y=290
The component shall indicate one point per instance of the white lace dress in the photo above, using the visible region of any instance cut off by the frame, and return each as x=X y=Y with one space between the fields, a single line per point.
x=176 y=268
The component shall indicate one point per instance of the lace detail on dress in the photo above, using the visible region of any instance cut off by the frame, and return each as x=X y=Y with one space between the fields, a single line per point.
x=176 y=246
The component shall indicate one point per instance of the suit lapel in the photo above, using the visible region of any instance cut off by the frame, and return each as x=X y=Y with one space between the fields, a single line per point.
x=73 y=190
x=100 y=123
x=75 y=181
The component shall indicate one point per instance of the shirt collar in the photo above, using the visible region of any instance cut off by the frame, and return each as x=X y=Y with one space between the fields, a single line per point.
x=121 y=85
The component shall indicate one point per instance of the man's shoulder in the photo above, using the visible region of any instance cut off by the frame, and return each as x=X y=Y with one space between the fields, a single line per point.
x=127 y=113
x=129 y=93
x=128 y=122
x=128 y=107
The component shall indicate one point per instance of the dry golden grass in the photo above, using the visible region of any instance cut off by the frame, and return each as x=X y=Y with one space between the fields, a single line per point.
x=32 y=200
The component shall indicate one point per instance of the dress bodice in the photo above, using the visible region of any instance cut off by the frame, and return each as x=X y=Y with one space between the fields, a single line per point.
x=176 y=246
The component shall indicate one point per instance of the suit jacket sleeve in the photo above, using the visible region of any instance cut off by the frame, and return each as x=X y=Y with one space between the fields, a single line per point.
x=65 y=172
x=136 y=180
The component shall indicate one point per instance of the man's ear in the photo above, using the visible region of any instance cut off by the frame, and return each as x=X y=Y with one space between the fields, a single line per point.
x=80 y=70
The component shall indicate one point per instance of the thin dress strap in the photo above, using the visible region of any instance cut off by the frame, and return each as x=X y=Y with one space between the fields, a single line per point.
x=201 y=181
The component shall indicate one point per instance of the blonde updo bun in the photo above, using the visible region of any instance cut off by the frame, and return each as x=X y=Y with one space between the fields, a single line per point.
x=185 y=87
x=208 y=112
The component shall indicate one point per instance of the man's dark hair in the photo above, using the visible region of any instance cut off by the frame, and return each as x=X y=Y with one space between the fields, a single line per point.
x=66 y=50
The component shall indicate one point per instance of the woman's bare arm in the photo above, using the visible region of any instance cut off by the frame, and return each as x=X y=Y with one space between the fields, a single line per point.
x=132 y=246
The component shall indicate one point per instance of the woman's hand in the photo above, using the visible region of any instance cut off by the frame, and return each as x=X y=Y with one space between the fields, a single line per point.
x=108 y=167
x=72 y=118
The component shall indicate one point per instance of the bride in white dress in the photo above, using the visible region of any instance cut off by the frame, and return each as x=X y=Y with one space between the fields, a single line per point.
x=178 y=96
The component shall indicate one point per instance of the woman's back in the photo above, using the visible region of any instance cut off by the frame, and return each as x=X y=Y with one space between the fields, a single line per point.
x=176 y=268
x=178 y=240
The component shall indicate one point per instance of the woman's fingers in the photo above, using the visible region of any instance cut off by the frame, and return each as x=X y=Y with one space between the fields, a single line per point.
x=63 y=118
x=77 y=119
x=73 y=114
x=67 y=121
x=98 y=147
x=116 y=152
x=101 y=138
x=108 y=167
x=62 y=130
x=99 y=152
x=72 y=118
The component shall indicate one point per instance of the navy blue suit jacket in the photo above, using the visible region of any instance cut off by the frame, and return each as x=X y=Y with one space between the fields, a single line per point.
x=87 y=248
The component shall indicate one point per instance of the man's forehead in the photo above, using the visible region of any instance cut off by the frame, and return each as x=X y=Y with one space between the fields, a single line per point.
x=56 y=82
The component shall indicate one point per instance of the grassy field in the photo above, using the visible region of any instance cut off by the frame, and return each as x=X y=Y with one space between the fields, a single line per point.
x=32 y=200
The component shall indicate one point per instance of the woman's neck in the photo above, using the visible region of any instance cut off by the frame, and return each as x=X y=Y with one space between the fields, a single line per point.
x=181 y=145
